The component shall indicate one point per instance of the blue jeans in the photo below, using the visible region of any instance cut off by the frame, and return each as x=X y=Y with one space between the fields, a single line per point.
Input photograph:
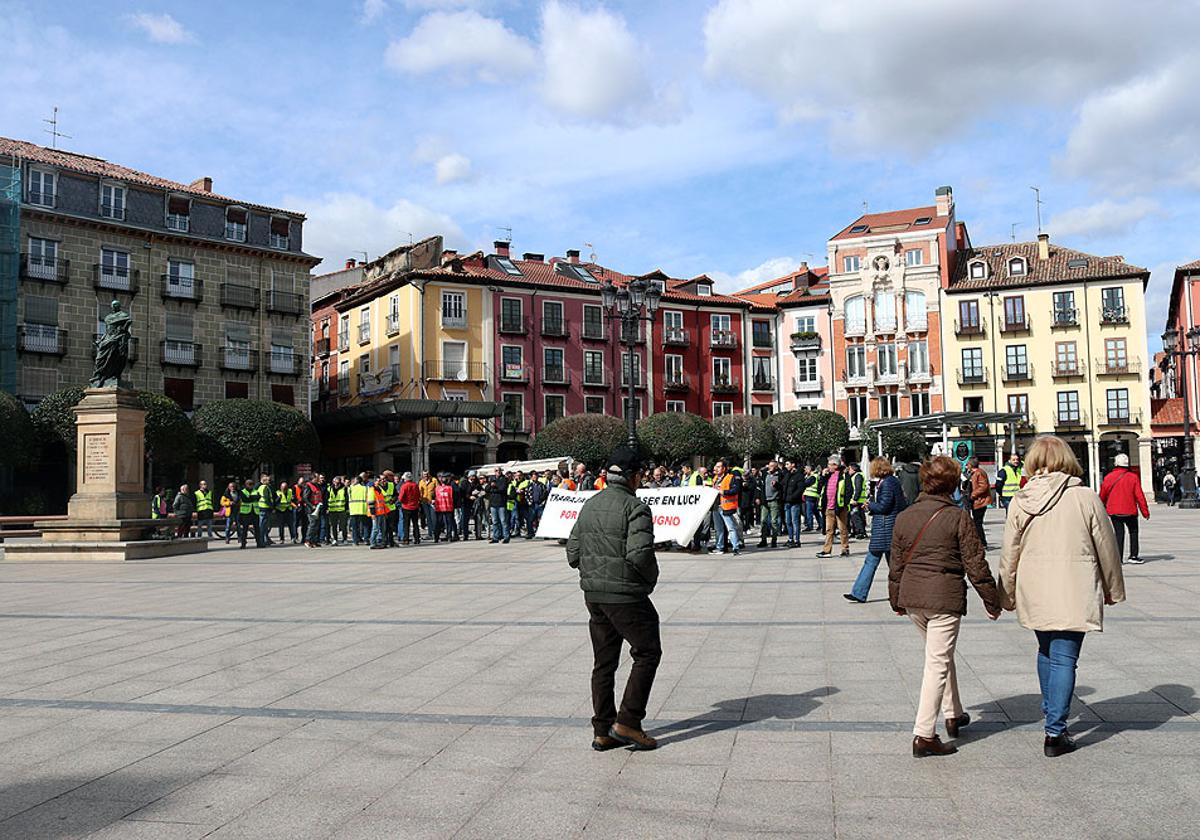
x=1058 y=653
x=862 y=585
x=230 y=525
x=499 y=524
x=791 y=513
x=726 y=523
x=360 y=529
x=812 y=516
x=287 y=522
x=263 y=534
x=430 y=516
x=378 y=530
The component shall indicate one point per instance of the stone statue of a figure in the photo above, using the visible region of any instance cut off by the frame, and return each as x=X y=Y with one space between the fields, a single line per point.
x=112 y=349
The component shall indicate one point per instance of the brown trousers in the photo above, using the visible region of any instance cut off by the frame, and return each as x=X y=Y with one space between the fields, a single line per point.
x=840 y=518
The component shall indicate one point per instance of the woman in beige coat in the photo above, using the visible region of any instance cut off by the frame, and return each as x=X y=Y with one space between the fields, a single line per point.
x=1058 y=568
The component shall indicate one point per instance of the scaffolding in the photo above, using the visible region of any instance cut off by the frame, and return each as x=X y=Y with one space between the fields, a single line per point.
x=10 y=255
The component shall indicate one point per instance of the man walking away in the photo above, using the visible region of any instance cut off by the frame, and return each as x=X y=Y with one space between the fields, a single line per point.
x=834 y=495
x=464 y=504
x=729 y=485
x=981 y=497
x=910 y=481
x=497 y=490
x=204 y=511
x=1168 y=486
x=410 y=510
x=1121 y=492
x=612 y=546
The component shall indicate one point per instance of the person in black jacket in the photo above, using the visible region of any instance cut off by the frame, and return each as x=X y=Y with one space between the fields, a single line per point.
x=750 y=499
x=497 y=496
x=462 y=505
x=791 y=490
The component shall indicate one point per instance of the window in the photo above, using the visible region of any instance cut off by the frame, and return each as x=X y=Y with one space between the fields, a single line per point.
x=761 y=372
x=178 y=348
x=850 y=264
x=180 y=390
x=454 y=309
x=1112 y=305
x=1117 y=400
x=762 y=411
x=806 y=370
x=1068 y=406
x=856 y=361
x=41 y=187
x=513 y=419
x=1116 y=359
x=1065 y=359
x=279 y=233
x=673 y=369
x=972 y=364
x=1016 y=361
x=512 y=363
x=235 y=224
x=625 y=368
x=720 y=323
x=722 y=409
x=512 y=315
x=179 y=211
x=344 y=376
x=181 y=279
x=1019 y=404
x=915 y=315
x=919 y=403
x=704 y=290
x=454 y=359
x=806 y=324
x=859 y=229
x=1014 y=312
x=977 y=269
x=593 y=321
x=673 y=331
x=972 y=403
x=1064 y=308
x=237 y=390
x=364 y=363
x=112 y=201
x=637 y=407
x=595 y=405
x=722 y=372
x=914 y=256
x=364 y=325
x=343 y=333
x=1016 y=267
x=41 y=263
x=41 y=312
x=393 y=317
x=508 y=266
x=553 y=369
x=676 y=406
x=885 y=312
x=858 y=410
x=968 y=315
x=761 y=333
x=593 y=367
x=114 y=270
x=885 y=359
x=889 y=406
x=283 y=359
x=918 y=357
x=237 y=355
x=552 y=318
x=856 y=315
x=556 y=407
x=283 y=394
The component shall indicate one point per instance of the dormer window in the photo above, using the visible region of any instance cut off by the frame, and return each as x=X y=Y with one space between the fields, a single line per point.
x=112 y=201
x=977 y=269
x=42 y=183
x=279 y=232
x=179 y=213
x=508 y=266
x=662 y=287
x=1017 y=267
x=702 y=289
x=924 y=220
x=859 y=229
x=235 y=224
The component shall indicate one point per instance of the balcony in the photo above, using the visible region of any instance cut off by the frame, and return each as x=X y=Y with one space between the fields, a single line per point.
x=920 y=377
x=181 y=353
x=514 y=373
x=807 y=386
x=638 y=383
x=762 y=384
x=284 y=362
x=43 y=339
x=556 y=376
x=885 y=323
x=855 y=379
x=364 y=332
x=285 y=303
x=1065 y=317
x=513 y=426
x=595 y=379
x=321 y=347
x=115 y=278
x=725 y=386
x=890 y=376
x=1070 y=419
x=1114 y=315
x=972 y=376
x=457 y=426
x=763 y=341
x=593 y=331
x=237 y=358
x=1118 y=367
x=555 y=328
x=1068 y=369
x=510 y=326
x=634 y=335
x=189 y=290
x=179 y=222
x=676 y=382
x=1018 y=325
x=454 y=320
x=450 y=370
x=916 y=324
x=969 y=328
x=1018 y=373
x=723 y=339
x=237 y=296
x=805 y=341
x=343 y=387
x=344 y=341
x=675 y=337
x=1028 y=425
x=855 y=326
x=1121 y=418
x=45 y=269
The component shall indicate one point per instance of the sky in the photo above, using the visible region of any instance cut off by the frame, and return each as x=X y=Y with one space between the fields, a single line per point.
x=726 y=137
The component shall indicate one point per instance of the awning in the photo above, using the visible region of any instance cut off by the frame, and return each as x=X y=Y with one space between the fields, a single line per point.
x=375 y=411
x=935 y=422
x=543 y=465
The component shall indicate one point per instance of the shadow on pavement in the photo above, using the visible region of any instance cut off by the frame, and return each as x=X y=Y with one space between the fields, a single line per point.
x=731 y=714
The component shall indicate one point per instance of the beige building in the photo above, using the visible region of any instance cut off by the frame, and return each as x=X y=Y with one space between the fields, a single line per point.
x=1059 y=336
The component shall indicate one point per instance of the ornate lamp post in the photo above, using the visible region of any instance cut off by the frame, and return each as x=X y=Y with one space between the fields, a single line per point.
x=628 y=306
x=1183 y=347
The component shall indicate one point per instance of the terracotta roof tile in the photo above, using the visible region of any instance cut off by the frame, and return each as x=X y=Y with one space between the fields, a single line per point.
x=893 y=221
x=1064 y=265
x=1166 y=412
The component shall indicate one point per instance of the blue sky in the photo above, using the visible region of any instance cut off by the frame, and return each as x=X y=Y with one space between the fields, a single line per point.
x=731 y=137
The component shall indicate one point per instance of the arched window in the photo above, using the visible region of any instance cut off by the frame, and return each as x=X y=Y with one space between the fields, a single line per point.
x=1017 y=267
x=885 y=311
x=855 y=315
x=914 y=311
x=977 y=269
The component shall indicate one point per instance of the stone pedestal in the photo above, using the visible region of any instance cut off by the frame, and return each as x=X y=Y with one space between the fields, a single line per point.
x=108 y=517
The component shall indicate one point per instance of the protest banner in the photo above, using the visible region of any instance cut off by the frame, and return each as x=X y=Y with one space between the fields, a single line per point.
x=677 y=511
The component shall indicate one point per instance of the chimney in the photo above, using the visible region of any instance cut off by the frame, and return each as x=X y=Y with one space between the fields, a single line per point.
x=501 y=246
x=529 y=256
x=944 y=199
x=203 y=184
x=573 y=256
x=350 y=263
x=1043 y=246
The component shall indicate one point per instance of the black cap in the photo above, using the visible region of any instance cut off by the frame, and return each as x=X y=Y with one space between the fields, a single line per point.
x=624 y=460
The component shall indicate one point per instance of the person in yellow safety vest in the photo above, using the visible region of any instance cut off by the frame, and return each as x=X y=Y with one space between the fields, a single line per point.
x=834 y=497
x=387 y=485
x=1009 y=480
x=285 y=511
x=813 y=520
x=247 y=518
x=156 y=504
x=204 y=509
x=339 y=516
x=264 y=504
x=726 y=523
x=859 y=493
x=360 y=520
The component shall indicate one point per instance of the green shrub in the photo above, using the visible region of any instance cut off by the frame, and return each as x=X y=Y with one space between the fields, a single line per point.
x=590 y=438
x=744 y=436
x=238 y=435
x=670 y=437
x=20 y=438
x=808 y=437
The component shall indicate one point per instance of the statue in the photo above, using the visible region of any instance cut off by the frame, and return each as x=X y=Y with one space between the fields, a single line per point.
x=112 y=349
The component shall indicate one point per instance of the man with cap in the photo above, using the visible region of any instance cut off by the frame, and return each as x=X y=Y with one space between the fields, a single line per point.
x=1121 y=492
x=612 y=546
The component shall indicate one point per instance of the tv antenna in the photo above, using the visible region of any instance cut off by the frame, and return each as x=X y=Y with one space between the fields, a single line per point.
x=53 y=129
x=1012 y=232
x=592 y=249
x=1037 y=201
x=507 y=234
x=866 y=208
x=365 y=258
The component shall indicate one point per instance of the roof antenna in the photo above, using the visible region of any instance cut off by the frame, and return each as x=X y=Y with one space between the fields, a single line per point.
x=507 y=234
x=364 y=253
x=592 y=248
x=866 y=208
x=53 y=129
x=1012 y=232
x=1037 y=201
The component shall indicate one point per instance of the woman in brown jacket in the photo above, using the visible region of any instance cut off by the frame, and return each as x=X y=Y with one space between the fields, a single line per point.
x=981 y=497
x=1059 y=567
x=934 y=543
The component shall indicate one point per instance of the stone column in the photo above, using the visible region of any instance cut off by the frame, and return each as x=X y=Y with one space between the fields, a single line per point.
x=1094 y=462
x=110 y=458
x=1145 y=461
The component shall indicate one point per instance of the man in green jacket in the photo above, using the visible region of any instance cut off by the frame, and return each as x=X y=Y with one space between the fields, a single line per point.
x=612 y=546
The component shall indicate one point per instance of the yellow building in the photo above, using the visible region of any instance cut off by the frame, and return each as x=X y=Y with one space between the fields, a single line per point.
x=1059 y=336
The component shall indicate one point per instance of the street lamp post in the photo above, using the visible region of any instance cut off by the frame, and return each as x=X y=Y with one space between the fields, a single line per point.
x=1183 y=347
x=629 y=305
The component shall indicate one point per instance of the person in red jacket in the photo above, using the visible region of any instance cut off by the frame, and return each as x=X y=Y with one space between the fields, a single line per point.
x=1121 y=492
x=443 y=506
x=410 y=508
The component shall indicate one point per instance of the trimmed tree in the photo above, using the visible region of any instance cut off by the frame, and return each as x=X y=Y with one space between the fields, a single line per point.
x=19 y=435
x=808 y=437
x=169 y=435
x=670 y=437
x=744 y=436
x=903 y=444
x=55 y=421
x=238 y=435
x=585 y=437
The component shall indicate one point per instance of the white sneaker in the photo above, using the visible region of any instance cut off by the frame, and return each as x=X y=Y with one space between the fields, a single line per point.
x=1134 y=561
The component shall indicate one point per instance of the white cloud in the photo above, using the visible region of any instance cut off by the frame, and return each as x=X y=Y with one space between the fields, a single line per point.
x=445 y=4
x=162 y=29
x=595 y=69
x=464 y=44
x=340 y=225
x=884 y=74
x=451 y=168
x=1104 y=218
x=372 y=10
x=768 y=269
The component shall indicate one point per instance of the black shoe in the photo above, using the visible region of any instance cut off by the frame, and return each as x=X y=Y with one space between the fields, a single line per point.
x=824 y=553
x=956 y=723
x=1057 y=745
x=762 y=543
x=774 y=543
x=846 y=552
x=924 y=747
x=603 y=743
x=856 y=600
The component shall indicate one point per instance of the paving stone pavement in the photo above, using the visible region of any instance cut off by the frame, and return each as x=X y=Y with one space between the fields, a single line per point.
x=443 y=692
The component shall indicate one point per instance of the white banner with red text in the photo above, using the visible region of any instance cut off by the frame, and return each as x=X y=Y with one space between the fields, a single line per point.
x=677 y=511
